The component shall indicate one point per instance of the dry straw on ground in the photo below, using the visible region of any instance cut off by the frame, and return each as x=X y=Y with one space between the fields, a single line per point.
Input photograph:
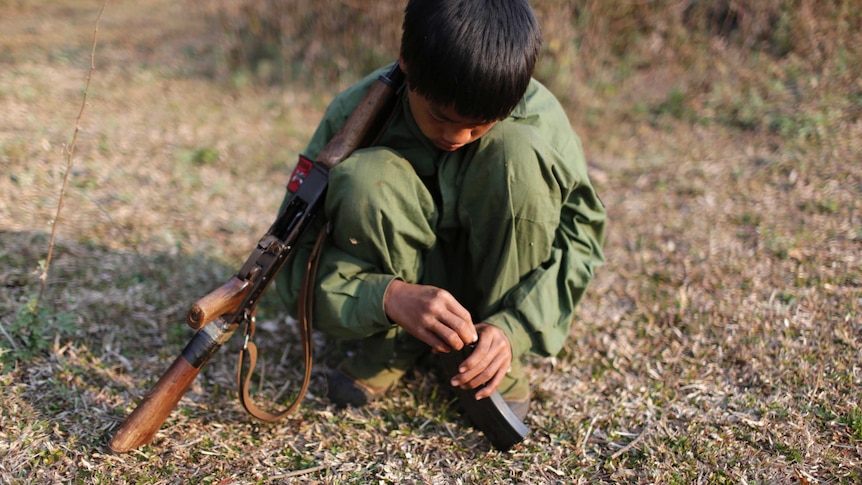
x=720 y=344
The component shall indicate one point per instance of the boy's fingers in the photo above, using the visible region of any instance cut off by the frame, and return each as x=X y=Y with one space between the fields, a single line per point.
x=491 y=386
x=481 y=357
x=464 y=330
x=478 y=360
x=486 y=375
x=478 y=369
x=433 y=340
x=486 y=365
x=447 y=335
x=435 y=334
x=458 y=319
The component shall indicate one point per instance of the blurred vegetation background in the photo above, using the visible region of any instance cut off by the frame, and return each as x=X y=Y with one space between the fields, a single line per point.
x=744 y=63
x=588 y=42
x=329 y=38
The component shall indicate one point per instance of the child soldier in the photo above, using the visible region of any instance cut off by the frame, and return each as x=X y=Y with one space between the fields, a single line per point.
x=471 y=220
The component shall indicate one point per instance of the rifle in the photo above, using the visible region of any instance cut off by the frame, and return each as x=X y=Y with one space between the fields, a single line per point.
x=217 y=315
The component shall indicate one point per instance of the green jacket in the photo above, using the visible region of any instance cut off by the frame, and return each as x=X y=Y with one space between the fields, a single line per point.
x=522 y=270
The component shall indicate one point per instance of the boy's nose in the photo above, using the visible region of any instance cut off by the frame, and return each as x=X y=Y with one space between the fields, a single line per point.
x=457 y=137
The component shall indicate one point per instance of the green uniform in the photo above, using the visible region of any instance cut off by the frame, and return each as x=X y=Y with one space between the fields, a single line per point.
x=510 y=225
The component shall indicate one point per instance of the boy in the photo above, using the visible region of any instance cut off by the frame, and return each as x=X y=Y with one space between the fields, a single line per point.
x=472 y=220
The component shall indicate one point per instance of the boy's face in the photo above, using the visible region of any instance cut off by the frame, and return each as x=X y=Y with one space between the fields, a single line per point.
x=443 y=126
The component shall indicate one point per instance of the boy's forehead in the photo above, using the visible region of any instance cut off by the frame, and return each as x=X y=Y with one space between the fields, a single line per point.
x=449 y=113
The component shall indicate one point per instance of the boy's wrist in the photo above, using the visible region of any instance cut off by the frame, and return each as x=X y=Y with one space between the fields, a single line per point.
x=519 y=340
x=372 y=297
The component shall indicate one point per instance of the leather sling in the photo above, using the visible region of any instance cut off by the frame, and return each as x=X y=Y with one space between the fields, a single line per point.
x=306 y=294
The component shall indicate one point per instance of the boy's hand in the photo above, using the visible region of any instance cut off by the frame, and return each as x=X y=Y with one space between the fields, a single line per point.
x=430 y=314
x=488 y=363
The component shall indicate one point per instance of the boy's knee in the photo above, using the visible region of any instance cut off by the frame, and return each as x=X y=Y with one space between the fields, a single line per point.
x=370 y=179
x=367 y=172
x=377 y=184
x=526 y=182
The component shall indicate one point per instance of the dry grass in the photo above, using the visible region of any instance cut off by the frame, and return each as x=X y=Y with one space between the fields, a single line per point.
x=720 y=344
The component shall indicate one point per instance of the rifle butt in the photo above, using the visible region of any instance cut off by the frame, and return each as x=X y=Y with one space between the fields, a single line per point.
x=366 y=120
x=140 y=427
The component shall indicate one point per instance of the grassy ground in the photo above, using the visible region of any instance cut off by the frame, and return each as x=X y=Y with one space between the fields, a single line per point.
x=720 y=344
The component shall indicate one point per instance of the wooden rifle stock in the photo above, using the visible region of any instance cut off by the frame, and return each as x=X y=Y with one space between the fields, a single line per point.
x=367 y=120
x=219 y=314
x=225 y=300
x=140 y=427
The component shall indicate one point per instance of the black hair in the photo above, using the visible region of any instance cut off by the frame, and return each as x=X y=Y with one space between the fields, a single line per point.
x=474 y=55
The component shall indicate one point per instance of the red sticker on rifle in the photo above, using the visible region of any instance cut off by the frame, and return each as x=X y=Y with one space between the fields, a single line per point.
x=303 y=166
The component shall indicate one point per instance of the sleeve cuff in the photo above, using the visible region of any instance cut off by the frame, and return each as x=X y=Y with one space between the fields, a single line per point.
x=514 y=330
x=371 y=295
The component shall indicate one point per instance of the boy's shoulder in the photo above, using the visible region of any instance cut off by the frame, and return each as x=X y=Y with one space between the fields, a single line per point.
x=539 y=102
x=542 y=112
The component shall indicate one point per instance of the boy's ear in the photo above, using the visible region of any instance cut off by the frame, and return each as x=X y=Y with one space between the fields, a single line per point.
x=402 y=65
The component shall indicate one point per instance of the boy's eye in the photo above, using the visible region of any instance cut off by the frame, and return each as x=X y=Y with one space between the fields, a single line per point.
x=437 y=117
